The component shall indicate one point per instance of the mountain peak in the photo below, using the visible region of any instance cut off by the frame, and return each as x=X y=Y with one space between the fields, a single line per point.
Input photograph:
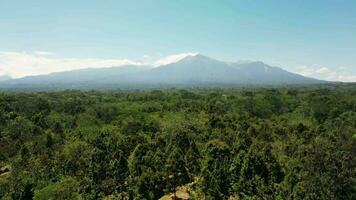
x=186 y=69
x=198 y=58
x=173 y=59
x=182 y=58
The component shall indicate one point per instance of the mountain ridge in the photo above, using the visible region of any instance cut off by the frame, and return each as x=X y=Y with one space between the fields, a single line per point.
x=5 y=78
x=190 y=70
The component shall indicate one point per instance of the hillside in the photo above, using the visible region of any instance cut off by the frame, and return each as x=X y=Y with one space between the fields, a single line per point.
x=189 y=71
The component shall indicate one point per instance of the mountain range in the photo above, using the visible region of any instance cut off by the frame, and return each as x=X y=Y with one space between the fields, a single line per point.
x=193 y=70
x=4 y=77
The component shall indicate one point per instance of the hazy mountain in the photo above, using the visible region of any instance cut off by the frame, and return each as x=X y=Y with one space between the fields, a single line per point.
x=4 y=78
x=191 y=70
x=261 y=73
x=200 y=69
x=82 y=76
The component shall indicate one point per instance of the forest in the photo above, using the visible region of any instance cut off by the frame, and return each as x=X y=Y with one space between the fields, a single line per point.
x=254 y=143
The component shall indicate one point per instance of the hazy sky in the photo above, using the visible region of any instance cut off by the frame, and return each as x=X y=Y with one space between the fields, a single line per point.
x=313 y=37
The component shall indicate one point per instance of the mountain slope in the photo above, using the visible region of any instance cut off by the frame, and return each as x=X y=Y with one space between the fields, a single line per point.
x=200 y=69
x=82 y=76
x=261 y=73
x=191 y=70
x=4 y=78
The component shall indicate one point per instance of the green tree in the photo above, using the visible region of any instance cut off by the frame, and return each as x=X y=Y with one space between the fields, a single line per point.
x=176 y=171
x=258 y=173
x=67 y=188
x=215 y=179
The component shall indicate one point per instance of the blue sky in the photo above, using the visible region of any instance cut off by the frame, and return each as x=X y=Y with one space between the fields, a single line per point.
x=315 y=38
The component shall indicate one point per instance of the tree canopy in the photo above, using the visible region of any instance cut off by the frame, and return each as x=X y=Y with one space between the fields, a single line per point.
x=286 y=143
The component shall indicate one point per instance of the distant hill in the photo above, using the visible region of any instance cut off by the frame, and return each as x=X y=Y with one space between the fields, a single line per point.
x=77 y=78
x=191 y=70
x=4 y=78
x=200 y=69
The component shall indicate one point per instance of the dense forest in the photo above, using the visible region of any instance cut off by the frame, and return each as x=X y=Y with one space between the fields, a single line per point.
x=286 y=143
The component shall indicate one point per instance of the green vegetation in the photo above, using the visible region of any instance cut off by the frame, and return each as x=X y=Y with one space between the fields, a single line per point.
x=287 y=143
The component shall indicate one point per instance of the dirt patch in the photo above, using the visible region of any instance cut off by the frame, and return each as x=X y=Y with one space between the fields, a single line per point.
x=181 y=193
x=6 y=170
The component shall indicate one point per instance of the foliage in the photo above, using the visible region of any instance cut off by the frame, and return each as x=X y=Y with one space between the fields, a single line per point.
x=286 y=143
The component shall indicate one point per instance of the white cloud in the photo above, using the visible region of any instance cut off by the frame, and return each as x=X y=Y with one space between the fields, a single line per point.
x=323 y=70
x=172 y=58
x=44 y=53
x=20 y=64
x=324 y=73
x=23 y=64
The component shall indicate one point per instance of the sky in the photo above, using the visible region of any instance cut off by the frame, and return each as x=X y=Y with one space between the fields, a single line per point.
x=313 y=38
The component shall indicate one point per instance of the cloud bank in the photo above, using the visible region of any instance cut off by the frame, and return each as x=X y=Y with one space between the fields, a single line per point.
x=172 y=59
x=23 y=64
x=324 y=73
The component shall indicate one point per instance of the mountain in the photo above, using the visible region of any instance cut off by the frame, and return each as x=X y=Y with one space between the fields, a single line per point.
x=191 y=70
x=4 y=78
x=261 y=73
x=200 y=69
x=197 y=69
x=78 y=77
